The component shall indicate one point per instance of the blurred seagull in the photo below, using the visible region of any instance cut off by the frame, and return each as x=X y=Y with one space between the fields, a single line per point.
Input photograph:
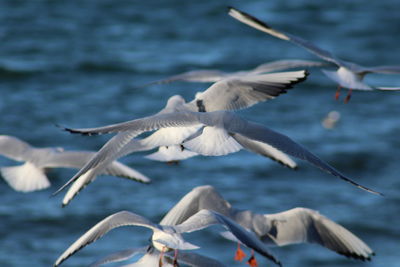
x=31 y=175
x=298 y=225
x=206 y=76
x=348 y=75
x=217 y=136
x=168 y=237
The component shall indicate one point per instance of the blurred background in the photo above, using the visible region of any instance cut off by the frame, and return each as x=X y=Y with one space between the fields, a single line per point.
x=82 y=64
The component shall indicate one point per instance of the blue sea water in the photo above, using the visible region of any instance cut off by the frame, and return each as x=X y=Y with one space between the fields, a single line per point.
x=82 y=63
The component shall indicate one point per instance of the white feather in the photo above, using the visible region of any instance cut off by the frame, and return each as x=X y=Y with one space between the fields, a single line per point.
x=213 y=141
x=25 y=178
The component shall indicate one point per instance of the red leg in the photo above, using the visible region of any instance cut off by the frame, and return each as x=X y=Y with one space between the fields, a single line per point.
x=239 y=256
x=252 y=261
x=338 y=92
x=347 y=99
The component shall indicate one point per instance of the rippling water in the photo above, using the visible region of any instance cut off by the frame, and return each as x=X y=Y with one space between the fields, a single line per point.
x=81 y=63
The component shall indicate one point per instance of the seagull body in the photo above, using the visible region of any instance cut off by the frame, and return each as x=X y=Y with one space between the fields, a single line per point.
x=298 y=225
x=168 y=237
x=31 y=175
x=348 y=74
x=217 y=137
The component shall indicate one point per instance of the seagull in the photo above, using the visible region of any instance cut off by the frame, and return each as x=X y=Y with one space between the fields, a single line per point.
x=151 y=257
x=207 y=76
x=348 y=74
x=31 y=175
x=168 y=237
x=217 y=136
x=226 y=94
x=298 y=225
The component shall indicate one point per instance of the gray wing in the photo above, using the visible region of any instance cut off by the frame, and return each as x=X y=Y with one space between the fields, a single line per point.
x=151 y=123
x=119 y=256
x=383 y=69
x=203 y=76
x=122 y=218
x=197 y=260
x=121 y=170
x=265 y=150
x=245 y=91
x=206 y=218
x=262 y=26
x=15 y=148
x=285 y=64
x=115 y=168
x=283 y=143
x=201 y=197
x=302 y=225
x=114 y=148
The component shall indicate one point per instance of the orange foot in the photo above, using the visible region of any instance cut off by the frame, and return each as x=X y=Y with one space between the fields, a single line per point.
x=337 y=92
x=239 y=256
x=252 y=261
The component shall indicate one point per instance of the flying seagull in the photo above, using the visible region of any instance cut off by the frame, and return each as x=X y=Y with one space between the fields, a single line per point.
x=168 y=237
x=226 y=94
x=348 y=74
x=215 y=137
x=298 y=225
x=31 y=175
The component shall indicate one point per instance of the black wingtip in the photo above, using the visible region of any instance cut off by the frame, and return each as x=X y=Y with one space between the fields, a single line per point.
x=250 y=17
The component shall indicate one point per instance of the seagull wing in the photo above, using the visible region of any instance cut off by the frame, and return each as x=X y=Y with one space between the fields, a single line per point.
x=262 y=26
x=201 y=197
x=114 y=148
x=283 y=143
x=196 y=260
x=122 y=218
x=202 y=76
x=119 y=256
x=15 y=148
x=245 y=91
x=285 y=64
x=206 y=218
x=301 y=225
x=265 y=150
x=383 y=69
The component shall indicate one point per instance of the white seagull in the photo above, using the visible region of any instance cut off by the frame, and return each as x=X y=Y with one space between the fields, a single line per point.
x=226 y=94
x=217 y=136
x=348 y=75
x=168 y=237
x=298 y=225
x=31 y=175
x=207 y=76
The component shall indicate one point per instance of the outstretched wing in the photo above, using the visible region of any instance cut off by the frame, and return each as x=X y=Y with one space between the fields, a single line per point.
x=301 y=225
x=201 y=197
x=245 y=91
x=262 y=26
x=122 y=218
x=206 y=218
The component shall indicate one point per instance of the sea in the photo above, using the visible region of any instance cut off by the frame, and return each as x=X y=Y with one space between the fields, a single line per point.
x=86 y=63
